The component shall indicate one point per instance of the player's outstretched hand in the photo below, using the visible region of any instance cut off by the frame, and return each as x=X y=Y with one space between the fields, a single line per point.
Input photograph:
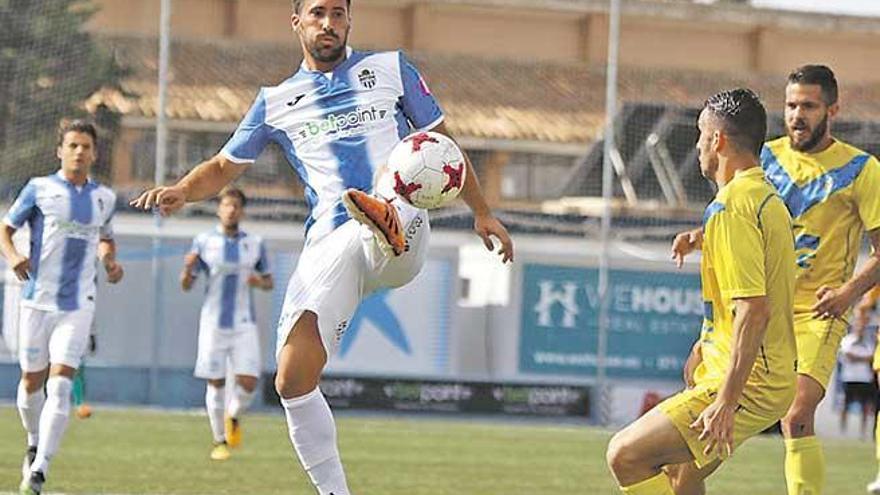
x=715 y=425
x=685 y=244
x=21 y=267
x=167 y=199
x=832 y=303
x=114 y=271
x=487 y=226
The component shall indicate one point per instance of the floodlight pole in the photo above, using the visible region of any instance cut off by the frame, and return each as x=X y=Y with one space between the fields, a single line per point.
x=161 y=153
x=604 y=392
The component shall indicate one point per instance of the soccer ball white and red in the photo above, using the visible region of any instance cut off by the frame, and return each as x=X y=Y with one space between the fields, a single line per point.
x=428 y=169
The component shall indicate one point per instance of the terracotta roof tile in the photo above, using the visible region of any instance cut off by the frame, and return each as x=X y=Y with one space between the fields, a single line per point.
x=487 y=99
x=484 y=99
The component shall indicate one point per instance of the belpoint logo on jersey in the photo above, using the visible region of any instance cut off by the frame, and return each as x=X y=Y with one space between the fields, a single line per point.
x=339 y=125
x=76 y=230
x=367 y=78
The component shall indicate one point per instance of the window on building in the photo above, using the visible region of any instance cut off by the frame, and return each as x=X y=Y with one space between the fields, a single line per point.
x=270 y=175
x=534 y=176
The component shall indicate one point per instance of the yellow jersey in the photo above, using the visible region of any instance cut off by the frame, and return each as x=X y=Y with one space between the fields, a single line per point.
x=872 y=297
x=833 y=197
x=748 y=251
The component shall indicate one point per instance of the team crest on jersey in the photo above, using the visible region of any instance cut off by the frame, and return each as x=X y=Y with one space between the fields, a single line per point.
x=367 y=78
x=101 y=205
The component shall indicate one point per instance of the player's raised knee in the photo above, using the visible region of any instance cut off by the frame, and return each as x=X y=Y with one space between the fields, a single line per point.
x=620 y=454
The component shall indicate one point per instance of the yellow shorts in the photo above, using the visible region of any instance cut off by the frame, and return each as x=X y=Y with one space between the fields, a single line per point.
x=684 y=407
x=876 y=363
x=817 y=344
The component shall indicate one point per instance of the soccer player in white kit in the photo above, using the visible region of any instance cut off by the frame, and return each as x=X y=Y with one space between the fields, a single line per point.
x=234 y=262
x=337 y=120
x=69 y=216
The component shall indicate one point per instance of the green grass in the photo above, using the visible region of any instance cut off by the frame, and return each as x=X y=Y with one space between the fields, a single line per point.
x=156 y=452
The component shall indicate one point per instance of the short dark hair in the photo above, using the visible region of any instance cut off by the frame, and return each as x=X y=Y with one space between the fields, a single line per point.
x=743 y=117
x=298 y=5
x=232 y=192
x=820 y=75
x=77 y=125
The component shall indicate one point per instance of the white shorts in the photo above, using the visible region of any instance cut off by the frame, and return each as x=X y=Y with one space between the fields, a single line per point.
x=337 y=271
x=240 y=346
x=56 y=337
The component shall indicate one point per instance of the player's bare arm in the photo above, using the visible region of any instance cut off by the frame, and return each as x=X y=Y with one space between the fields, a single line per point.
x=202 y=182
x=716 y=421
x=694 y=359
x=835 y=302
x=20 y=264
x=686 y=243
x=857 y=358
x=187 y=278
x=485 y=223
x=865 y=306
x=261 y=281
x=107 y=255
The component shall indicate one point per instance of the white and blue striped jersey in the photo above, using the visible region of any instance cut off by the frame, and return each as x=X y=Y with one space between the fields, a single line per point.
x=66 y=222
x=337 y=128
x=228 y=262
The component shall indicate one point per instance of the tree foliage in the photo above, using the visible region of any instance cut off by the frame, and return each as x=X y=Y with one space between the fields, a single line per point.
x=49 y=64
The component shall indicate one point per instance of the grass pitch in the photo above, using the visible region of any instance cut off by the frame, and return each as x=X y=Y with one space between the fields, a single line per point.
x=151 y=452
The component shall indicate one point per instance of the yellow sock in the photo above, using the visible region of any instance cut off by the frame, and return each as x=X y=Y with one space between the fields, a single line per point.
x=658 y=485
x=804 y=466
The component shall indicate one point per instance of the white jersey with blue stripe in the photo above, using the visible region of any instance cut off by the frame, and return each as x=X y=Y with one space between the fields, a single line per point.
x=336 y=129
x=66 y=222
x=228 y=262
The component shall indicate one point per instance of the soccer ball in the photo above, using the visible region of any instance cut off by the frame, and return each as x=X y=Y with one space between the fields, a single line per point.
x=428 y=169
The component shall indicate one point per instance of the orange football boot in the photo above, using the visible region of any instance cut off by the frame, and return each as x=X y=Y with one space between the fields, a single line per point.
x=380 y=216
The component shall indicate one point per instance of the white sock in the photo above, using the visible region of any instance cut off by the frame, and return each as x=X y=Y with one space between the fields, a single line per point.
x=30 y=406
x=313 y=434
x=215 y=403
x=53 y=420
x=241 y=400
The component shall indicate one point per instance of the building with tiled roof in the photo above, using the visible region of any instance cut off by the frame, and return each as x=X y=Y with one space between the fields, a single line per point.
x=522 y=82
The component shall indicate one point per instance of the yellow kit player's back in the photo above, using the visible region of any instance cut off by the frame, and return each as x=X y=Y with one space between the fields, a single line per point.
x=745 y=366
x=747 y=252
